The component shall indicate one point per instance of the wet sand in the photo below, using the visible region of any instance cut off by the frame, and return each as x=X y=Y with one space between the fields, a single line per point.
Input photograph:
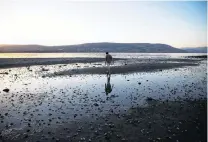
x=161 y=121
x=25 y=62
x=123 y=69
x=22 y=62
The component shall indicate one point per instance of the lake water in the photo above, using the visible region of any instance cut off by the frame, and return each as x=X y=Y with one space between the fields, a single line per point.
x=96 y=55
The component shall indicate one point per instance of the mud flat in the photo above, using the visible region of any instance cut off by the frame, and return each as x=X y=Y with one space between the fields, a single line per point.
x=168 y=103
x=22 y=62
x=25 y=62
x=123 y=69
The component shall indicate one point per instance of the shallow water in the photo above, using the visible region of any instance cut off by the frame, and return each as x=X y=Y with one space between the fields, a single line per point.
x=37 y=101
x=97 y=55
x=68 y=95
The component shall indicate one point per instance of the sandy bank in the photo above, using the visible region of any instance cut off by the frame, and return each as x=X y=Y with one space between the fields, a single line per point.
x=128 y=68
x=21 y=62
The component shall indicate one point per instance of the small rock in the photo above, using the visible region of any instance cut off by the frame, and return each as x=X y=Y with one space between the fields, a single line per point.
x=158 y=139
x=26 y=136
x=6 y=90
x=95 y=104
x=75 y=115
x=149 y=99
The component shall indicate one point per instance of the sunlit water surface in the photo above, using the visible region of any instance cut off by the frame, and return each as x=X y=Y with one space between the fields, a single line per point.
x=95 y=55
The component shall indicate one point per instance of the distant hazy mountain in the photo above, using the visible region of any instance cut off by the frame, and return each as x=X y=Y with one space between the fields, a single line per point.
x=196 y=49
x=95 y=47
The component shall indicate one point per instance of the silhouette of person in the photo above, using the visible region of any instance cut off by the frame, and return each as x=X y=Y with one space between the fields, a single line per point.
x=108 y=60
x=108 y=87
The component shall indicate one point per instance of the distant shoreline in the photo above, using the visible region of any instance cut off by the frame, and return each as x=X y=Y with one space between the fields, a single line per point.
x=25 y=62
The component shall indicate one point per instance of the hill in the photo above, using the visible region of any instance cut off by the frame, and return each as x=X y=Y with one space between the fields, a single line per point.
x=196 y=49
x=94 y=47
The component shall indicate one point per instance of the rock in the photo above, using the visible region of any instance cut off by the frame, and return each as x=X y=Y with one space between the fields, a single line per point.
x=26 y=136
x=6 y=90
x=75 y=115
x=123 y=139
x=107 y=136
x=4 y=73
x=95 y=104
x=43 y=69
x=149 y=99
x=158 y=139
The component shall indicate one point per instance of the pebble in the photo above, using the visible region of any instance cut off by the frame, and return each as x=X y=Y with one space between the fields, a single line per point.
x=6 y=90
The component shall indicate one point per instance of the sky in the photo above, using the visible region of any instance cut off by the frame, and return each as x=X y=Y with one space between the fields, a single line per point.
x=63 y=22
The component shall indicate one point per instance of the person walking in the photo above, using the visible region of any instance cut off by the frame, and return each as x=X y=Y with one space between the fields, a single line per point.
x=108 y=60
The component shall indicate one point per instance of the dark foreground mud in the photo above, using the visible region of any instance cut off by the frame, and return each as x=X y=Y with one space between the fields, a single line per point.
x=160 y=121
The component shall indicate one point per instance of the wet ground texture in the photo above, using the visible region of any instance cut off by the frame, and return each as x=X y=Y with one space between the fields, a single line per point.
x=159 y=105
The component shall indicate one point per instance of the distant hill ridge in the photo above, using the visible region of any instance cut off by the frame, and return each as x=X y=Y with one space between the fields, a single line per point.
x=94 y=47
x=196 y=49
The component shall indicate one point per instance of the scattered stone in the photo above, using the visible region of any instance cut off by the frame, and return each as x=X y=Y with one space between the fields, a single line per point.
x=4 y=73
x=95 y=104
x=75 y=115
x=149 y=99
x=6 y=90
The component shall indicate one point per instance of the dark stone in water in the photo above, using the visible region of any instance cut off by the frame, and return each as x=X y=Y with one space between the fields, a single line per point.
x=75 y=115
x=26 y=136
x=4 y=73
x=6 y=90
x=149 y=99
x=43 y=69
x=95 y=104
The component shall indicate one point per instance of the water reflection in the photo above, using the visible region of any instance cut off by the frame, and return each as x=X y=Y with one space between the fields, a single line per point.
x=108 y=86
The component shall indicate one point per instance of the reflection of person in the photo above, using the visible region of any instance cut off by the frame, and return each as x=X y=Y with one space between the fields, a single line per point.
x=108 y=87
x=108 y=60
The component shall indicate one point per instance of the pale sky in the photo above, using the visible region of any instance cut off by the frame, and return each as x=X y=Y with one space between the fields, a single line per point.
x=61 y=22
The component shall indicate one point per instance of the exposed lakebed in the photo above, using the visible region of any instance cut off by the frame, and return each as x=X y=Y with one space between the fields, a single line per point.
x=76 y=107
